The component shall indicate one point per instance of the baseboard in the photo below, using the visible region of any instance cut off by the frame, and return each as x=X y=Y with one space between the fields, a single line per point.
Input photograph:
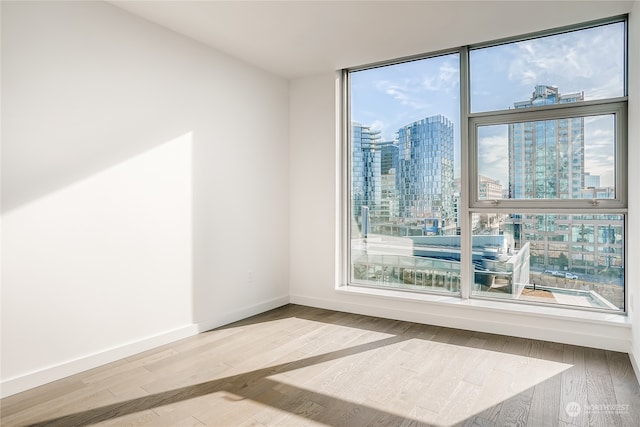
x=40 y=377
x=24 y=382
x=635 y=362
x=614 y=338
x=242 y=313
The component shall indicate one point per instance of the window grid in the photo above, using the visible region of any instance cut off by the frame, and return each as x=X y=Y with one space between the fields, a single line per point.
x=557 y=121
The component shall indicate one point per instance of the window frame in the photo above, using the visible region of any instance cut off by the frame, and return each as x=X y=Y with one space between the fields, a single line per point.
x=469 y=202
x=614 y=106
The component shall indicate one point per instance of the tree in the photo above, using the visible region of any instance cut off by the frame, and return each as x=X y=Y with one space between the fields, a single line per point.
x=563 y=261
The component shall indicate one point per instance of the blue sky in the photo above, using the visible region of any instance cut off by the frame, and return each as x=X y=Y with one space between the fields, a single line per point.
x=589 y=61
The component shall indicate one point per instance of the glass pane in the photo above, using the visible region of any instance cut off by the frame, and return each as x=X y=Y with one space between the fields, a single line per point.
x=587 y=64
x=570 y=158
x=405 y=156
x=409 y=263
x=575 y=260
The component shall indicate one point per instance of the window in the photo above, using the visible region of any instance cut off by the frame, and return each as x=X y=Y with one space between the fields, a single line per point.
x=404 y=157
x=501 y=163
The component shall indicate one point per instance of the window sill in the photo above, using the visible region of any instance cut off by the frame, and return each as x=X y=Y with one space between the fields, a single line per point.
x=504 y=307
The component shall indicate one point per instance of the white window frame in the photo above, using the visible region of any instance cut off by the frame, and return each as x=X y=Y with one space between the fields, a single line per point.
x=615 y=106
x=469 y=123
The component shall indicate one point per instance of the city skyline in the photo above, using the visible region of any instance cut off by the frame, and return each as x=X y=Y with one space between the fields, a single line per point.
x=493 y=161
x=545 y=161
x=387 y=98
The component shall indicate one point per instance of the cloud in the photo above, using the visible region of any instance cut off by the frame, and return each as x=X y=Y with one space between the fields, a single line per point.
x=599 y=154
x=449 y=73
x=493 y=157
x=540 y=60
x=591 y=61
x=377 y=124
x=447 y=79
x=384 y=128
x=416 y=90
x=405 y=92
x=609 y=88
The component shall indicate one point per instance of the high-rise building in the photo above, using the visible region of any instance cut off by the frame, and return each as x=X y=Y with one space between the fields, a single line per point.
x=388 y=211
x=489 y=188
x=424 y=176
x=365 y=169
x=389 y=159
x=546 y=158
x=546 y=161
x=591 y=181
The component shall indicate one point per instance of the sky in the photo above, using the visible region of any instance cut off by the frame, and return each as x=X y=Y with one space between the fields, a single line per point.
x=590 y=61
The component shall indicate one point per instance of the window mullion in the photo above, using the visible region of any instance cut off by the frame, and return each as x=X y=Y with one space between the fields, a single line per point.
x=466 y=274
x=345 y=179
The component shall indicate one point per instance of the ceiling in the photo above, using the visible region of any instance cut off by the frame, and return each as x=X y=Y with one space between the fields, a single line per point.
x=299 y=38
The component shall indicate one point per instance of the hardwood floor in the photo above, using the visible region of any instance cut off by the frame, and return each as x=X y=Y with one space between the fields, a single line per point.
x=301 y=366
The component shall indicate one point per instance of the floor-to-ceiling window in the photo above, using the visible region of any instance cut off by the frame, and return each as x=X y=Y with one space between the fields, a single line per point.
x=494 y=171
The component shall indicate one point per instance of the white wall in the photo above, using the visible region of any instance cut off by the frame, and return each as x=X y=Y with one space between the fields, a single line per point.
x=633 y=269
x=143 y=177
x=313 y=172
x=314 y=247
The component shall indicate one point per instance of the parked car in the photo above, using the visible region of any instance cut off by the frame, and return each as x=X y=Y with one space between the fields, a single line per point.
x=552 y=272
x=570 y=276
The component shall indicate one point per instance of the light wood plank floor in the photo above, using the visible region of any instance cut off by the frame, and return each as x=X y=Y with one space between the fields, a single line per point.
x=301 y=366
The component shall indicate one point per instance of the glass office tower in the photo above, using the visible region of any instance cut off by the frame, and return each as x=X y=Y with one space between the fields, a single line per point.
x=547 y=161
x=365 y=176
x=546 y=158
x=424 y=176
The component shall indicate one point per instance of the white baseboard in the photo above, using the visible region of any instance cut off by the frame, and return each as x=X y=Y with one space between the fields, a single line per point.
x=242 y=313
x=568 y=331
x=40 y=377
x=635 y=362
x=43 y=376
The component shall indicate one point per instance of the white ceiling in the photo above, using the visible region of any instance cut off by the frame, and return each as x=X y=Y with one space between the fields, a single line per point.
x=298 y=38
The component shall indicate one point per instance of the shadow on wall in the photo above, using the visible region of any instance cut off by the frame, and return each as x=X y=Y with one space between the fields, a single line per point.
x=109 y=253
x=120 y=138
x=85 y=87
x=20 y=188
